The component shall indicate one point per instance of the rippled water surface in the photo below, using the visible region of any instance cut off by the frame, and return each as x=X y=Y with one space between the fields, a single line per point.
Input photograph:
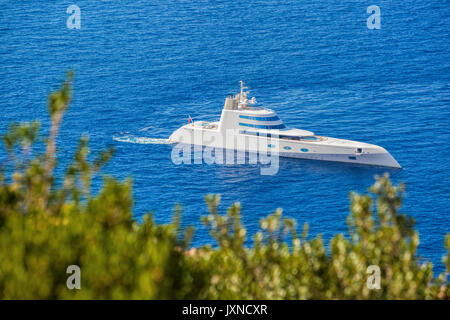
x=143 y=66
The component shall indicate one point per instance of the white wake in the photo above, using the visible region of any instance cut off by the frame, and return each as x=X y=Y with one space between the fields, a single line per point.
x=141 y=140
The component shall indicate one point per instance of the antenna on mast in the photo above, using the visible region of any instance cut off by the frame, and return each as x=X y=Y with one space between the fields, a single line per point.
x=243 y=95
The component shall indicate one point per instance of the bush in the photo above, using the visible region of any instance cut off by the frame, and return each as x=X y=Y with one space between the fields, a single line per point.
x=48 y=224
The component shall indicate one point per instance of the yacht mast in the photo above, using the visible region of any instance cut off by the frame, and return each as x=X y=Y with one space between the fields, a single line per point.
x=243 y=95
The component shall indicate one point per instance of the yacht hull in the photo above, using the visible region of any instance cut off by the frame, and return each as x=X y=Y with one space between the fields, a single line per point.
x=325 y=148
x=379 y=159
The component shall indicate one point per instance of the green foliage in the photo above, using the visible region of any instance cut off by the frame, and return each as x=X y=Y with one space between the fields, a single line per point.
x=23 y=134
x=46 y=225
x=302 y=269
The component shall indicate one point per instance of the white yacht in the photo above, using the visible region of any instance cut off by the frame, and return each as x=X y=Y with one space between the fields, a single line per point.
x=247 y=128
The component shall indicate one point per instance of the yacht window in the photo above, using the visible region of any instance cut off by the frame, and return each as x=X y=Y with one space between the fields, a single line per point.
x=298 y=138
x=312 y=138
x=272 y=118
x=260 y=126
x=253 y=133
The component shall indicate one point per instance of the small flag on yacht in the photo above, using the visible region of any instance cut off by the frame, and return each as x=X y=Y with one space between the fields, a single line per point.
x=190 y=119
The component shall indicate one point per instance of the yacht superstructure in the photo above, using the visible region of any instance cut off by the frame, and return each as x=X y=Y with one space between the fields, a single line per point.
x=243 y=127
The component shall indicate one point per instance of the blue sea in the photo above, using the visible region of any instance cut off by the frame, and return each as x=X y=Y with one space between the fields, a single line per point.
x=142 y=67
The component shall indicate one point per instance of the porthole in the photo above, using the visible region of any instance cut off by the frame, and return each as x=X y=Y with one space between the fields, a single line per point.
x=304 y=150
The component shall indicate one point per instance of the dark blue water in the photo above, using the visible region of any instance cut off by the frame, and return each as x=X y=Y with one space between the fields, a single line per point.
x=143 y=66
